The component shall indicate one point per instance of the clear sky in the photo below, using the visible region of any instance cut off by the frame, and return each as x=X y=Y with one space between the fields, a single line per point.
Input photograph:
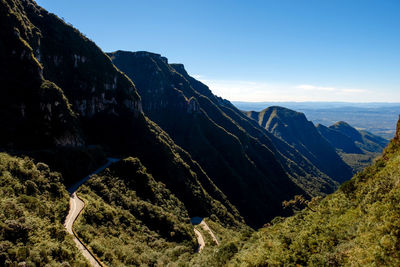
x=280 y=50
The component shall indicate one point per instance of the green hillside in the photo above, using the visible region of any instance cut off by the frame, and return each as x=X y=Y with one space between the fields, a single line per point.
x=358 y=148
x=363 y=139
x=33 y=206
x=358 y=225
x=131 y=219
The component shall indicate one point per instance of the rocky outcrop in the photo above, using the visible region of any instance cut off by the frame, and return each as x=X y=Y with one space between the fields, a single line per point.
x=193 y=106
x=39 y=48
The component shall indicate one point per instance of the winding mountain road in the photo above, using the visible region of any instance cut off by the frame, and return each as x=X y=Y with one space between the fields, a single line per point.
x=200 y=239
x=76 y=205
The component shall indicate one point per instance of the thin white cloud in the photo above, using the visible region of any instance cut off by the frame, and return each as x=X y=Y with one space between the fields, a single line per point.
x=255 y=91
x=353 y=90
x=315 y=88
x=330 y=89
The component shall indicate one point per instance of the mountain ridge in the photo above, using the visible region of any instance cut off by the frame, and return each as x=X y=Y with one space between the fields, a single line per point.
x=358 y=148
x=294 y=128
x=217 y=142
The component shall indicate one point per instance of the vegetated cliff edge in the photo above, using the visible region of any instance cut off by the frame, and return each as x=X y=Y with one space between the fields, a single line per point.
x=357 y=225
x=58 y=89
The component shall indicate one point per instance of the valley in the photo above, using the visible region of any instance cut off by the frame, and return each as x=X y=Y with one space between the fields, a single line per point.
x=179 y=176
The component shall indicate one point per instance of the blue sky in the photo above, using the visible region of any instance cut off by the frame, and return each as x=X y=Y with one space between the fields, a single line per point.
x=297 y=50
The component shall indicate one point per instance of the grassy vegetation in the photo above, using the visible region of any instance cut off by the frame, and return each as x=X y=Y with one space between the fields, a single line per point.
x=230 y=240
x=134 y=220
x=33 y=205
x=359 y=161
x=358 y=225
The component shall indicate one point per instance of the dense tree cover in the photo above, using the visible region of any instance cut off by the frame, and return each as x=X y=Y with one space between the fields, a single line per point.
x=131 y=219
x=358 y=225
x=33 y=205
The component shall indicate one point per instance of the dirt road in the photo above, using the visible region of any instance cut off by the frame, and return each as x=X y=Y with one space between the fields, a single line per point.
x=200 y=238
x=76 y=205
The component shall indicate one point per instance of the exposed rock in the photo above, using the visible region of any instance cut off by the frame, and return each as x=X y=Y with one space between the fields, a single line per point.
x=193 y=106
x=68 y=139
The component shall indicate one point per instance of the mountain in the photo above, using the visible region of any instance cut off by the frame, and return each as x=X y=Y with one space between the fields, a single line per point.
x=65 y=107
x=298 y=168
x=60 y=92
x=247 y=172
x=357 y=225
x=357 y=148
x=339 y=140
x=246 y=162
x=294 y=128
x=365 y=140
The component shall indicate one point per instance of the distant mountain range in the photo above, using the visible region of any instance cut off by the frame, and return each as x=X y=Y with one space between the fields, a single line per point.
x=294 y=128
x=377 y=118
x=358 y=148
x=335 y=150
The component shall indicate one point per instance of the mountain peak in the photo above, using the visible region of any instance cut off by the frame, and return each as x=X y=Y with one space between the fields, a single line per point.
x=180 y=68
x=138 y=54
x=346 y=129
x=283 y=111
x=342 y=124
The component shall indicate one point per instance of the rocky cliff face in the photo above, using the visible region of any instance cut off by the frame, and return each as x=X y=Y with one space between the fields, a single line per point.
x=34 y=111
x=94 y=85
x=57 y=88
x=37 y=47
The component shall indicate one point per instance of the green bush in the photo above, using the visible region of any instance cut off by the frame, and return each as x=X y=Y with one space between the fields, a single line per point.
x=32 y=207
